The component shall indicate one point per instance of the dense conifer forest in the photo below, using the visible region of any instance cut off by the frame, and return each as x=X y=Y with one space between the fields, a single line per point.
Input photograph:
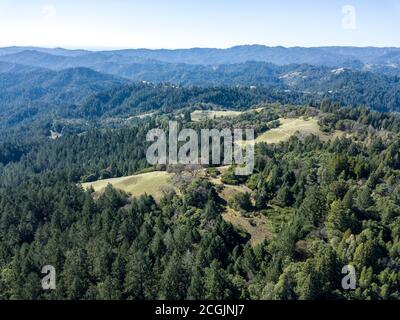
x=328 y=203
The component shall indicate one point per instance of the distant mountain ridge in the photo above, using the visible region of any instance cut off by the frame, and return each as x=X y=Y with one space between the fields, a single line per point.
x=54 y=51
x=354 y=57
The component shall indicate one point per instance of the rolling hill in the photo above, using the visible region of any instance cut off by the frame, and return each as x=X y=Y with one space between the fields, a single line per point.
x=29 y=92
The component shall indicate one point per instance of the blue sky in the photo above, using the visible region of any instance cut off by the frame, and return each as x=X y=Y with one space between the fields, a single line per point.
x=202 y=23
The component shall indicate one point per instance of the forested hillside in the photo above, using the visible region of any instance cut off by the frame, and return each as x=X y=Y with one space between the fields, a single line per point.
x=40 y=97
x=324 y=193
x=327 y=204
x=28 y=93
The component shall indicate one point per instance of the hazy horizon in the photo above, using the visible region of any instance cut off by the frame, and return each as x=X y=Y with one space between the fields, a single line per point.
x=187 y=48
x=155 y=24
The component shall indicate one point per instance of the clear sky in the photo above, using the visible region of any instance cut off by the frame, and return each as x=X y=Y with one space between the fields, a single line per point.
x=202 y=23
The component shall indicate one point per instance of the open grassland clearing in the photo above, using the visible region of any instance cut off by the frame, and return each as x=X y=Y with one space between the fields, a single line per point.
x=256 y=225
x=152 y=183
x=290 y=127
x=201 y=115
x=295 y=126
